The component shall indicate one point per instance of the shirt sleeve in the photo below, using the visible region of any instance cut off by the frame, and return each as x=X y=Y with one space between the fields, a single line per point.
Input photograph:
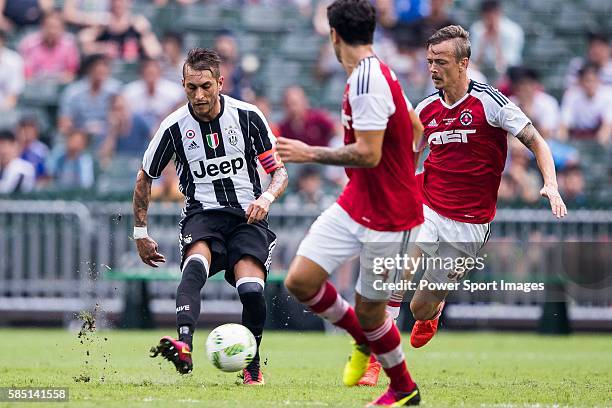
x=371 y=112
x=159 y=153
x=501 y=112
x=512 y=119
x=370 y=97
x=264 y=141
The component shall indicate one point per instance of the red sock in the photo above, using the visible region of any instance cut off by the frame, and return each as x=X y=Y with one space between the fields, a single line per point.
x=328 y=304
x=385 y=342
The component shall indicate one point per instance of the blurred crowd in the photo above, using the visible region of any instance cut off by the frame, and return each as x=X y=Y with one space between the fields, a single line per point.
x=99 y=118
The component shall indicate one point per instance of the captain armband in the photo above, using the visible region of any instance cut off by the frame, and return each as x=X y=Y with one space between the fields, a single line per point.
x=270 y=160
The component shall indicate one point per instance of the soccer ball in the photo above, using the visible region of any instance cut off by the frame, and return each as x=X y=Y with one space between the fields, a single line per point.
x=231 y=347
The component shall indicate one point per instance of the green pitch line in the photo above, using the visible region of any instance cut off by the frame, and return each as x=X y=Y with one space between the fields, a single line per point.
x=112 y=369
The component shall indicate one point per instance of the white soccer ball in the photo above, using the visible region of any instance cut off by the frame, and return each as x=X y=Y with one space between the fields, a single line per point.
x=231 y=347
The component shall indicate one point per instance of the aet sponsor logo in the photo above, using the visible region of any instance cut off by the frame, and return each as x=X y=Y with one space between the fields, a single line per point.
x=214 y=169
x=450 y=136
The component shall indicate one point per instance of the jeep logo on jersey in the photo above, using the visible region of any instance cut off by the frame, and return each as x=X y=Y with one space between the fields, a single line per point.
x=212 y=139
x=450 y=136
x=214 y=169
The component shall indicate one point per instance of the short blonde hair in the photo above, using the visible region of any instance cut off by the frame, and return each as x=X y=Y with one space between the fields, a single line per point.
x=463 y=48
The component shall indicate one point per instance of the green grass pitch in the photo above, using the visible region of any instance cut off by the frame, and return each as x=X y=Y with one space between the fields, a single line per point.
x=468 y=369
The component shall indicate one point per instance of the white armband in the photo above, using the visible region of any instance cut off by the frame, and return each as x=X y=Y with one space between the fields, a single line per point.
x=140 y=232
x=268 y=196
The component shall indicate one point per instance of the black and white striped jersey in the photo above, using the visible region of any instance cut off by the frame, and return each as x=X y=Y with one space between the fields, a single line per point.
x=216 y=161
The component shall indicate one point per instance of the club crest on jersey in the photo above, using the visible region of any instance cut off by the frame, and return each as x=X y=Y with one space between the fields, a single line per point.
x=232 y=135
x=466 y=117
x=190 y=134
x=212 y=140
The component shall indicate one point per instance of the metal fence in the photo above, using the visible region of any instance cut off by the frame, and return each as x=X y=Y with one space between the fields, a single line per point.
x=54 y=255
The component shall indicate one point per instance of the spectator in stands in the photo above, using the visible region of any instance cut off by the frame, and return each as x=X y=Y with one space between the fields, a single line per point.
x=32 y=149
x=393 y=12
x=173 y=56
x=235 y=83
x=16 y=175
x=423 y=28
x=263 y=104
x=497 y=42
x=179 y=2
x=599 y=54
x=11 y=75
x=572 y=186
x=508 y=191
x=85 y=103
x=311 y=126
x=22 y=12
x=540 y=107
x=50 y=52
x=165 y=188
x=544 y=112
x=524 y=178
x=125 y=37
x=586 y=109
x=128 y=133
x=85 y=13
x=152 y=96
x=309 y=194
x=70 y=165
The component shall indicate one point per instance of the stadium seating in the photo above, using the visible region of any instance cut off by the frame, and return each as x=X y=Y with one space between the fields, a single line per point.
x=284 y=42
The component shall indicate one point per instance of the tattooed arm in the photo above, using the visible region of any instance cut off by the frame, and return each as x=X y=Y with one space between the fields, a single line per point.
x=147 y=247
x=259 y=208
x=365 y=152
x=532 y=139
x=279 y=182
x=142 y=194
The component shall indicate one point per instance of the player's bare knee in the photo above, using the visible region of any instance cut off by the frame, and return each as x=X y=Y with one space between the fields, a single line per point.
x=299 y=286
x=304 y=278
x=249 y=266
x=198 y=247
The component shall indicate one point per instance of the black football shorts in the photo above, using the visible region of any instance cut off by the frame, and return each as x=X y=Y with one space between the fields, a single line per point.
x=230 y=238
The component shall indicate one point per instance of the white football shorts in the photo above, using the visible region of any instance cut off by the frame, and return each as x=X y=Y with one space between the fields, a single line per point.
x=442 y=237
x=335 y=237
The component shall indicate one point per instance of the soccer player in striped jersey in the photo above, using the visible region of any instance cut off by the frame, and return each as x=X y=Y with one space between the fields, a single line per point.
x=466 y=126
x=216 y=142
x=378 y=213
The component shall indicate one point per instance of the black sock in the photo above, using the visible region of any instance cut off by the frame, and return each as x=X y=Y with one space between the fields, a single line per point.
x=253 y=310
x=188 y=298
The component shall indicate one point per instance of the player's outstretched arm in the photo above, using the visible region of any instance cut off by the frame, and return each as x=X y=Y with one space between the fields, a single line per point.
x=365 y=152
x=532 y=139
x=259 y=208
x=147 y=247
